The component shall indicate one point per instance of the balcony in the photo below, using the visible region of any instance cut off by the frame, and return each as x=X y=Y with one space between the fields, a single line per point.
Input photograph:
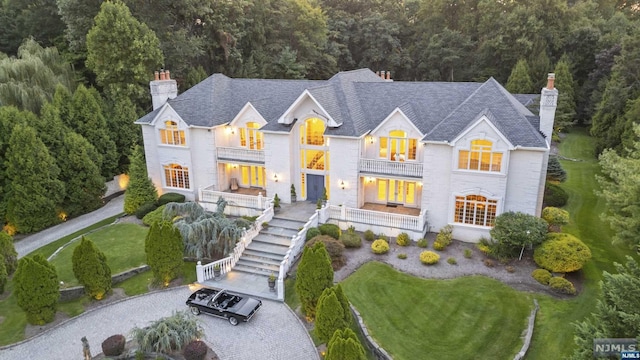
x=394 y=168
x=235 y=154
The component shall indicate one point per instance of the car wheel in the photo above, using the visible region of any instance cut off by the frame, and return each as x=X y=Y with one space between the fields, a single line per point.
x=233 y=320
x=195 y=310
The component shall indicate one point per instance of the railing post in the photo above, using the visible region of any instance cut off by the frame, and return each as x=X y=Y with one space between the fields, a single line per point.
x=343 y=212
x=260 y=200
x=199 y=273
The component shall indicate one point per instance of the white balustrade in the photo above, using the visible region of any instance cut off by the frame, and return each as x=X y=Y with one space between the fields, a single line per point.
x=399 y=168
x=240 y=154
x=378 y=218
x=240 y=200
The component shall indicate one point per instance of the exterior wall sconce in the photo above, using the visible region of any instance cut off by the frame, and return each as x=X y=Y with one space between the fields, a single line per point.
x=370 y=139
x=342 y=184
x=235 y=166
x=370 y=180
x=275 y=177
x=230 y=129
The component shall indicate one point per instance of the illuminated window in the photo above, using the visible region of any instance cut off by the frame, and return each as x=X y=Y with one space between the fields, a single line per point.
x=397 y=147
x=303 y=188
x=475 y=210
x=252 y=176
x=170 y=135
x=314 y=159
x=176 y=176
x=480 y=158
x=312 y=132
x=250 y=137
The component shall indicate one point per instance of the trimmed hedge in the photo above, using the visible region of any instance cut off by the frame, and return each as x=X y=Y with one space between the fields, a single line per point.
x=311 y=233
x=334 y=247
x=562 y=253
x=170 y=197
x=555 y=196
x=145 y=208
x=429 y=258
x=562 y=285
x=380 y=246
x=331 y=230
x=542 y=276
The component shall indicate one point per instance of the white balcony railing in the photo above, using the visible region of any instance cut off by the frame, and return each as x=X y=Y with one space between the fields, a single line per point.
x=240 y=154
x=385 y=167
x=239 y=200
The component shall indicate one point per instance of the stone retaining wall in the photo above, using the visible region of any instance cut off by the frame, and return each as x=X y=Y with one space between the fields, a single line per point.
x=377 y=350
x=76 y=292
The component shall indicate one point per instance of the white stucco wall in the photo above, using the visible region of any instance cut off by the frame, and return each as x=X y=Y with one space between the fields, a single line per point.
x=523 y=185
x=203 y=158
x=344 y=168
x=277 y=158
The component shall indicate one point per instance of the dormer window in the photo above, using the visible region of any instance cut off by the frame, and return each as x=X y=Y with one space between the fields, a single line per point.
x=171 y=135
x=250 y=137
x=397 y=147
x=480 y=157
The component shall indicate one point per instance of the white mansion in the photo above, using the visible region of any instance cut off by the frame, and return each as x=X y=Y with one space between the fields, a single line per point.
x=393 y=156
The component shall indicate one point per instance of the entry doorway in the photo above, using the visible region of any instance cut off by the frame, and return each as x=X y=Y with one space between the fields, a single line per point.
x=396 y=191
x=315 y=187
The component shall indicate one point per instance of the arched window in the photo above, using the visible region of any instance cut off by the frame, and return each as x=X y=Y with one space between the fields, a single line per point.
x=397 y=147
x=253 y=136
x=312 y=132
x=176 y=176
x=171 y=135
x=480 y=157
x=475 y=210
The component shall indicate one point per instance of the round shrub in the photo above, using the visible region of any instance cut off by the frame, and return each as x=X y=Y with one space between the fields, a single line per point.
x=145 y=208
x=402 y=256
x=195 y=350
x=380 y=246
x=403 y=239
x=555 y=218
x=452 y=261
x=311 y=233
x=555 y=196
x=331 y=230
x=369 y=235
x=383 y=237
x=351 y=240
x=562 y=285
x=437 y=245
x=114 y=345
x=429 y=257
x=468 y=253
x=562 y=253
x=422 y=243
x=334 y=247
x=542 y=276
x=170 y=197
x=445 y=236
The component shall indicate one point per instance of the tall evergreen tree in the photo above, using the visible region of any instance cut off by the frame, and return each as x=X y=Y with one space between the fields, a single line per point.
x=87 y=119
x=122 y=129
x=164 y=248
x=519 y=81
x=314 y=275
x=9 y=117
x=81 y=175
x=8 y=252
x=344 y=345
x=91 y=269
x=617 y=313
x=140 y=189
x=329 y=315
x=123 y=53
x=36 y=288
x=344 y=302
x=566 y=111
x=35 y=191
x=4 y=276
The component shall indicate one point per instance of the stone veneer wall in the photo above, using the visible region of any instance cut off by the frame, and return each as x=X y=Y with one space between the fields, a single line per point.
x=378 y=351
x=78 y=291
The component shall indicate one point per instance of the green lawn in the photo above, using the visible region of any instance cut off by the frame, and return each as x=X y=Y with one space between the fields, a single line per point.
x=553 y=336
x=413 y=318
x=123 y=245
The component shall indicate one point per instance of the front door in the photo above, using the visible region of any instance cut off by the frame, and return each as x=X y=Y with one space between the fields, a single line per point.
x=315 y=187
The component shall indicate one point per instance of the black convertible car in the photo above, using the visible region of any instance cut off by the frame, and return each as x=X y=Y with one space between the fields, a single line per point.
x=224 y=304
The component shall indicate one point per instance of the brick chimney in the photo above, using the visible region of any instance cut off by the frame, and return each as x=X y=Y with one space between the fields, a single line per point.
x=548 y=104
x=162 y=88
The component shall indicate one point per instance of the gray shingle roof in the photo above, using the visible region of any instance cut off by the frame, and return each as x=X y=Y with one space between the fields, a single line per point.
x=359 y=100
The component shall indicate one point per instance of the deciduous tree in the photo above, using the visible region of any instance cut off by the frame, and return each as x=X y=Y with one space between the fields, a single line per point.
x=91 y=269
x=36 y=288
x=514 y=230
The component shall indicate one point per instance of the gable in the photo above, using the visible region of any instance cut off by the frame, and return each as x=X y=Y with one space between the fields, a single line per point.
x=306 y=106
x=246 y=115
x=397 y=120
x=483 y=129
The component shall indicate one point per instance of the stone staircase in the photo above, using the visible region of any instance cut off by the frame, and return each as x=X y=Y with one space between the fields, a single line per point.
x=267 y=250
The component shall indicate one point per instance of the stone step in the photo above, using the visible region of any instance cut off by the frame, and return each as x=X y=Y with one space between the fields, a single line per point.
x=272 y=239
x=279 y=231
x=258 y=257
x=252 y=270
x=286 y=223
x=257 y=264
x=264 y=255
x=268 y=248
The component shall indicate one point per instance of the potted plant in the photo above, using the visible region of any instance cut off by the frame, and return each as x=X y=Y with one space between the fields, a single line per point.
x=294 y=198
x=276 y=203
x=272 y=282
x=216 y=271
